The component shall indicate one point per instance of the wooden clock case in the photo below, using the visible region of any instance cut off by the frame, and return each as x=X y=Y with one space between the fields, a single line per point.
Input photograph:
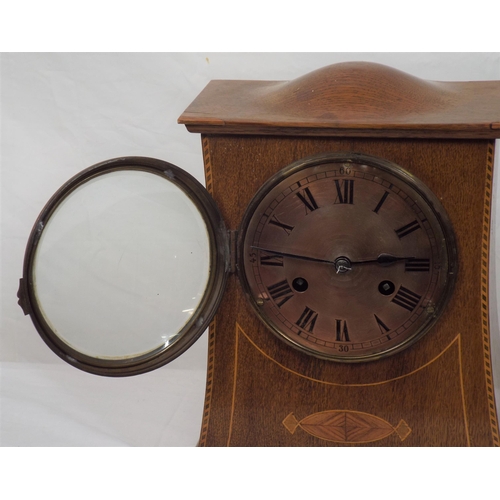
x=439 y=392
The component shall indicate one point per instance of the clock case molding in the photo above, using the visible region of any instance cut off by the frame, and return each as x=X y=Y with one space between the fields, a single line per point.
x=438 y=392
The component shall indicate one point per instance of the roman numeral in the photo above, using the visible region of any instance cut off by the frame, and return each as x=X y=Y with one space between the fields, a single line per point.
x=307 y=319
x=406 y=298
x=275 y=222
x=308 y=200
x=280 y=292
x=345 y=191
x=271 y=260
x=409 y=228
x=381 y=202
x=383 y=328
x=342 y=333
x=418 y=265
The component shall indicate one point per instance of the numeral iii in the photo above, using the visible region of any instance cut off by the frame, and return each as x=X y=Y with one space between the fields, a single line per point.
x=418 y=265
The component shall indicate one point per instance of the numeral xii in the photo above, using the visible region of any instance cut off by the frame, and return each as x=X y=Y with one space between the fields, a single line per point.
x=345 y=191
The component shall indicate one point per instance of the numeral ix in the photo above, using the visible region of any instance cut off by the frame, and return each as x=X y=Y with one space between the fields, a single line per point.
x=271 y=260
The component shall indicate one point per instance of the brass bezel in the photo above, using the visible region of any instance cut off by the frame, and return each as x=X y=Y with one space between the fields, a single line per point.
x=199 y=321
x=395 y=170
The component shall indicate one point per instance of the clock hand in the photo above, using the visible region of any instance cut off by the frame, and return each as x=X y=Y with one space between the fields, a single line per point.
x=342 y=264
x=383 y=259
x=295 y=256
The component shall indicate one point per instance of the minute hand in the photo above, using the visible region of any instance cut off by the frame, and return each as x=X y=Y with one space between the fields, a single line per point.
x=293 y=255
x=383 y=259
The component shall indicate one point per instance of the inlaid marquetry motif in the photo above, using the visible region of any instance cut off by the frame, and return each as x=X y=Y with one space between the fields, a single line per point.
x=484 y=295
x=210 y=380
x=208 y=166
x=345 y=426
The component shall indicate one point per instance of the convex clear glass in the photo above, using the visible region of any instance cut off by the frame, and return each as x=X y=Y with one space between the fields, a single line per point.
x=121 y=265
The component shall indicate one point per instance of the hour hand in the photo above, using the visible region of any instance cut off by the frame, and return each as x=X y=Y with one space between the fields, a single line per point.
x=342 y=264
x=384 y=259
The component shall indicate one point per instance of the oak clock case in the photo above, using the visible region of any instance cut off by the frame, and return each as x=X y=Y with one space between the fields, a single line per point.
x=341 y=257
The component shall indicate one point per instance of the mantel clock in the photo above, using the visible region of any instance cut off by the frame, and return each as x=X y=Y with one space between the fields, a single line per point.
x=339 y=256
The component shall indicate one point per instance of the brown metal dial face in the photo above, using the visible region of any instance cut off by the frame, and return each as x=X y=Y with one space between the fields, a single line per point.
x=347 y=257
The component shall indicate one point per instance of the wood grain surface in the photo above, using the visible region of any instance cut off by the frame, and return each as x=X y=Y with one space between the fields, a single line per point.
x=437 y=393
x=348 y=99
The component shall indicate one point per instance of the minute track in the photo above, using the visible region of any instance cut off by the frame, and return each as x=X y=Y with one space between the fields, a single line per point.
x=376 y=263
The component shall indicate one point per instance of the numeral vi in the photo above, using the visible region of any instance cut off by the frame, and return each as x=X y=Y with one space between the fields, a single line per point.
x=342 y=333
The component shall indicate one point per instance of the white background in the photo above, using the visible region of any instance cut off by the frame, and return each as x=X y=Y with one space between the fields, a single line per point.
x=64 y=112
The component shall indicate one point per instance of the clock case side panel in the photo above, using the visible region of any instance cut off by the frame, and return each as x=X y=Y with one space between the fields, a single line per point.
x=237 y=411
x=485 y=298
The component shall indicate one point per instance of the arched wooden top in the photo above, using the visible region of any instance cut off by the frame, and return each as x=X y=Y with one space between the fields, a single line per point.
x=354 y=99
x=350 y=91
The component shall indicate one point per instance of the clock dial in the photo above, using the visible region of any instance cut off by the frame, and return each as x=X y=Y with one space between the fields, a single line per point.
x=347 y=257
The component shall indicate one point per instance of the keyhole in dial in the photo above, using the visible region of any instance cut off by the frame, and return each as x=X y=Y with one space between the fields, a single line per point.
x=300 y=284
x=386 y=287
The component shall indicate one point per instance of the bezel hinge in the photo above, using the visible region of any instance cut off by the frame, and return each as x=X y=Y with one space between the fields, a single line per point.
x=22 y=295
x=233 y=254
